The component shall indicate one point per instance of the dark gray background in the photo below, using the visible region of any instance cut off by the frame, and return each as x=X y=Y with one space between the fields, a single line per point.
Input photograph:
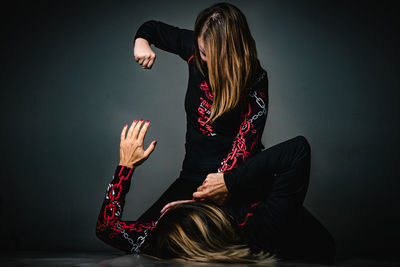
x=69 y=83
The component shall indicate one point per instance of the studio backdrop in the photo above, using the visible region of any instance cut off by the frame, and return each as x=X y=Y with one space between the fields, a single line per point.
x=70 y=83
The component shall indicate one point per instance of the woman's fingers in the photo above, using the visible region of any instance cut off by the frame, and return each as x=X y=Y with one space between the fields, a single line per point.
x=123 y=133
x=199 y=194
x=143 y=131
x=165 y=208
x=170 y=204
x=151 y=62
x=131 y=129
x=131 y=146
x=150 y=149
x=145 y=62
x=136 y=129
x=141 y=61
x=200 y=188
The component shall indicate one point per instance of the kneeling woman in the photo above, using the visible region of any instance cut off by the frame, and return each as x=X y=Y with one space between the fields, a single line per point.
x=261 y=220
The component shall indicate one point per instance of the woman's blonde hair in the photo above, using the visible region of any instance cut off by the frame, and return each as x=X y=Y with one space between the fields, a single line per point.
x=203 y=232
x=232 y=61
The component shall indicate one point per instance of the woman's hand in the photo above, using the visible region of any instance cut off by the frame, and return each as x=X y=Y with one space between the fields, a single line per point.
x=213 y=188
x=143 y=53
x=170 y=204
x=131 y=150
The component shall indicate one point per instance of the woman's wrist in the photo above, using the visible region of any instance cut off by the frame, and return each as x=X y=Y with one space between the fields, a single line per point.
x=142 y=40
x=126 y=164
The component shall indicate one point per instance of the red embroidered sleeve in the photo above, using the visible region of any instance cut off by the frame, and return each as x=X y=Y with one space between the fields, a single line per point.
x=249 y=135
x=110 y=228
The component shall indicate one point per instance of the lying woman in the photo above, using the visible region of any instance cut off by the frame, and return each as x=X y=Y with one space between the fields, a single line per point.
x=261 y=219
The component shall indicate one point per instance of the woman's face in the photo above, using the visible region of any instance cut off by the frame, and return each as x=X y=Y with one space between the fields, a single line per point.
x=201 y=48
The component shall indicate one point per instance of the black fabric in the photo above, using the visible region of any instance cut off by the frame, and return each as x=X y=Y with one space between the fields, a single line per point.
x=268 y=191
x=233 y=137
x=307 y=239
x=260 y=171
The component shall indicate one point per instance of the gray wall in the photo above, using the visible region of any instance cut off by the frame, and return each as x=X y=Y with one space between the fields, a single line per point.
x=69 y=84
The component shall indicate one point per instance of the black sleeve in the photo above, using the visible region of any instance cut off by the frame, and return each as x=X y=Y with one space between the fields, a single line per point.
x=248 y=172
x=248 y=137
x=110 y=228
x=168 y=38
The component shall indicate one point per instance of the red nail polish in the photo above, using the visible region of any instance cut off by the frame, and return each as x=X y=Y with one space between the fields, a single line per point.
x=135 y=120
x=125 y=125
x=147 y=121
x=155 y=142
x=141 y=119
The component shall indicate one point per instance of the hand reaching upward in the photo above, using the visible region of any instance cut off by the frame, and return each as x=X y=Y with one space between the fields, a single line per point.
x=132 y=153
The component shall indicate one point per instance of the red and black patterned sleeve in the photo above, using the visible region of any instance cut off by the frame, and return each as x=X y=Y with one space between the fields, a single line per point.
x=110 y=228
x=248 y=138
x=167 y=37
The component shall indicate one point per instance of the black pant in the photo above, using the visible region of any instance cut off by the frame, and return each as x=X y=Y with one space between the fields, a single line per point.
x=277 y=177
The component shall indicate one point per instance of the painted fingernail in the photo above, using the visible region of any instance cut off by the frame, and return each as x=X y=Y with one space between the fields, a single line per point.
x=155 y=142
x=141 y=120
x=135 y=120
x=147 y=121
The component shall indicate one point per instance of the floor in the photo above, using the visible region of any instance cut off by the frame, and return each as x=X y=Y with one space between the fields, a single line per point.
x=97 y=259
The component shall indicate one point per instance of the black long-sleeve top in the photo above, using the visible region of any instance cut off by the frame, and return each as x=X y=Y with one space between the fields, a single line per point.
x=234 y=136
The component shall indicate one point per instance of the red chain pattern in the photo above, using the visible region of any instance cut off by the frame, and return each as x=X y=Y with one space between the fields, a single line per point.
x=239 y=149
x=239 y=146
x=249 y=214
x=111 y=212
x=113 y=208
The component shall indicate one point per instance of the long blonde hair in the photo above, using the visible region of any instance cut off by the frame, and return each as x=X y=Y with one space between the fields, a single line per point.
x=203 y=232
x=232 y=60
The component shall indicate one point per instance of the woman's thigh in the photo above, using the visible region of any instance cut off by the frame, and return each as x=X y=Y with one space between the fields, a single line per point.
x=180 y=189
x=282 y=167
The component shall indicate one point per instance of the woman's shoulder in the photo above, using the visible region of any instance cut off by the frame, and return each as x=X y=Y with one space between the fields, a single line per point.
x=260 y=82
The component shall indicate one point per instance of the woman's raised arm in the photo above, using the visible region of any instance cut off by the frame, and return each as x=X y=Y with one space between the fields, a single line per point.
x=164 y=36
x=110 y=228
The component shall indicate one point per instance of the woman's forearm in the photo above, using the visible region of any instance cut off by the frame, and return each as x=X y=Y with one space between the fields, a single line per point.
x=167 y=37
x=124 y=235
x=110 y=228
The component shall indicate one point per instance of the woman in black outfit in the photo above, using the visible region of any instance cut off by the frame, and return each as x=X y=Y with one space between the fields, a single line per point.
x=262 y=215
x=226 y=101
x=226 y=107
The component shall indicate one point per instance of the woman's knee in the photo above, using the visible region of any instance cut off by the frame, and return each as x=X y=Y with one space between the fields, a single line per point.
x=302 y=144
